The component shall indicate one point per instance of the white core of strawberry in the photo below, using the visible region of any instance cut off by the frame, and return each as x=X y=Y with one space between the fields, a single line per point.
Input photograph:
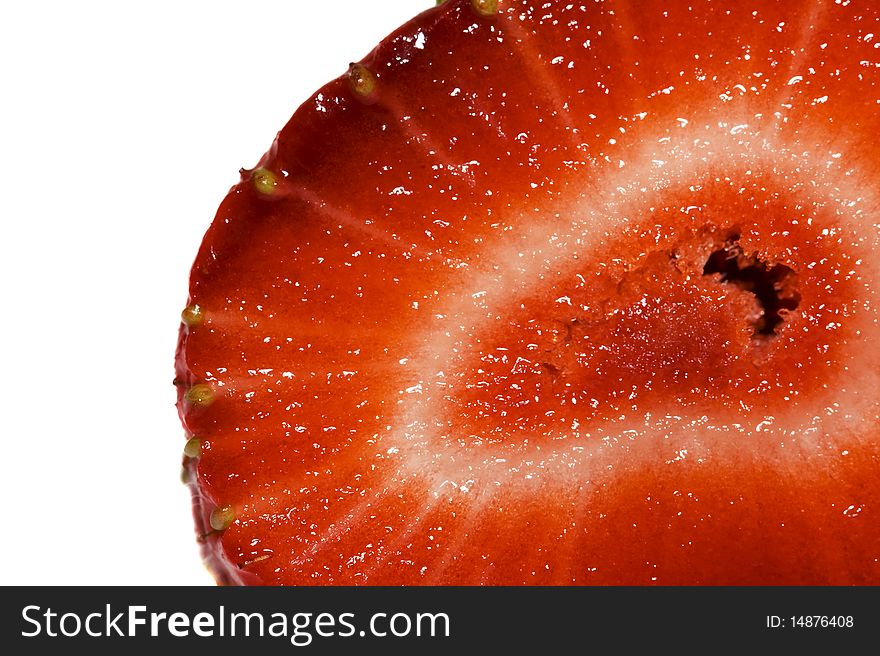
x=428 y=448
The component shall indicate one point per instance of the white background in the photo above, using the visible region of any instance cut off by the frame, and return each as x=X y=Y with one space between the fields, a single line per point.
x=122 y=126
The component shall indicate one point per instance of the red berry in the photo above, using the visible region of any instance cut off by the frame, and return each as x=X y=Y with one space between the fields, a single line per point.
x=553 y=293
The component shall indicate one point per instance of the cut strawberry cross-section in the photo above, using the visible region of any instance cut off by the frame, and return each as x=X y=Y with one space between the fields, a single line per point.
x=553 y=293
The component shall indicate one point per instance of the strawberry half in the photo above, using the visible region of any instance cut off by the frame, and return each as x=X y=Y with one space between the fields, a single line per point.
x=553 y=293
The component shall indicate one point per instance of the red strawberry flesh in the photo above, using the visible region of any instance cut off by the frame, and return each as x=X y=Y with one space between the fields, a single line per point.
x=572 y=293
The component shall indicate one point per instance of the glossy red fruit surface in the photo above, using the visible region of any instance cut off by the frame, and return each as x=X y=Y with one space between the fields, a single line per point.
x=553 y=293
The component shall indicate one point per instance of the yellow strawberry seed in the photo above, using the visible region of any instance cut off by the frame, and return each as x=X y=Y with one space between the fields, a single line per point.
x=192 y=315
x=200 y=394
x=193 y=448
x=264 y=181
x=222 y=517
x=361 y=80
x=485 y=7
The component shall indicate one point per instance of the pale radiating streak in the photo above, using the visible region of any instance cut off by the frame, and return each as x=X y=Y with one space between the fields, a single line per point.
x=340 y=527
x=385 y=555
x=806 y=41
x=459 y=538
x=347 y=219
x=417 y=136
x=530 y=58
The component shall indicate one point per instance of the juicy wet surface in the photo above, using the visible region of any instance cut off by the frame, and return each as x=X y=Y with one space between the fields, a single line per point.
x=629 y=341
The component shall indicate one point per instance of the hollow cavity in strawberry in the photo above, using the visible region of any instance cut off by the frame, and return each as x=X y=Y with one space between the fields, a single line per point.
x=553 y=293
